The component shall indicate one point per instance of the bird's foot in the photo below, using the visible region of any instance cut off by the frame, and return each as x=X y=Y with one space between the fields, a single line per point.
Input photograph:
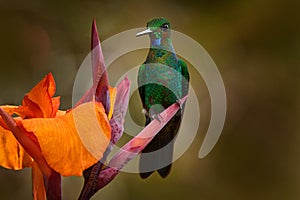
x=144 y=111
x=158 y=117
x=179 y=103
x=152 y=116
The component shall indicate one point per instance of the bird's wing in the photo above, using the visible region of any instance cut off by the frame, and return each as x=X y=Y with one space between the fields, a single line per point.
x=185 y=74
x=141 y=85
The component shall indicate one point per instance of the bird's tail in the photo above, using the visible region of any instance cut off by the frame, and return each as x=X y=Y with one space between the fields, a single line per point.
x=163 y=172
x=158 y=154
x=155 y=160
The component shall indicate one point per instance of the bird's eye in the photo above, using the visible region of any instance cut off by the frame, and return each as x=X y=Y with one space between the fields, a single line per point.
x=166 y=26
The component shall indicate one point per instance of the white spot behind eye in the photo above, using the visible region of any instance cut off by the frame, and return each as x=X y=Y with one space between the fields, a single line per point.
x=165 y=26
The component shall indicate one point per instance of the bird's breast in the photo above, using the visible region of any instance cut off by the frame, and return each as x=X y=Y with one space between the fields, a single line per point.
x=162 y=84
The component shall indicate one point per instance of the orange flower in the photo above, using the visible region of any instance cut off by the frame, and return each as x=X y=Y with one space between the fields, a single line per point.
x=69 y=141
x=58 y=133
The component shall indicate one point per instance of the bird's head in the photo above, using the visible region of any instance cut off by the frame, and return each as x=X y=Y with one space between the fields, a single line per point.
x=159 y=31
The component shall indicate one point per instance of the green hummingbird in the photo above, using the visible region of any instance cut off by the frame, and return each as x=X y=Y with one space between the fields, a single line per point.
x=163 y=79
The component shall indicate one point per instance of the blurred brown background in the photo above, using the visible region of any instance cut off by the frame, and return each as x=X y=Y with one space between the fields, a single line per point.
x=256 y=46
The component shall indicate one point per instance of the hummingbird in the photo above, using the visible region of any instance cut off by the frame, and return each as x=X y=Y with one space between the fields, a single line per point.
x=163 y=79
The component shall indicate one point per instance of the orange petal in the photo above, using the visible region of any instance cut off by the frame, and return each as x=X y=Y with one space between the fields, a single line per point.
x=38 y=186
x=35 y=109
x=112 y=94
x=10 y=109
x=12 y=154
x=60 y=113
x=73 y=142
x=19 y=110
x=39 y=99
x=55 y=105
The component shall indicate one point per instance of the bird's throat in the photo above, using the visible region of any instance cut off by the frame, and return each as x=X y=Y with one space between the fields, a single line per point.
x=156 y=42
x=161 y=43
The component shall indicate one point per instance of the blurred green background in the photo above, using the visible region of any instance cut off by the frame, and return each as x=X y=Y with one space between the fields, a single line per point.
x=256 y=46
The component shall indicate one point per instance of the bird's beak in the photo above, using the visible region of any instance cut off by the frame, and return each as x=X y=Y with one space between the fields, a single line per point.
x=147 y=31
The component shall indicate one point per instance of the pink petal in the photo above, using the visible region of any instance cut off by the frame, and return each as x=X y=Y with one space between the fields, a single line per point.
x=120 y=109
x=100 y=86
